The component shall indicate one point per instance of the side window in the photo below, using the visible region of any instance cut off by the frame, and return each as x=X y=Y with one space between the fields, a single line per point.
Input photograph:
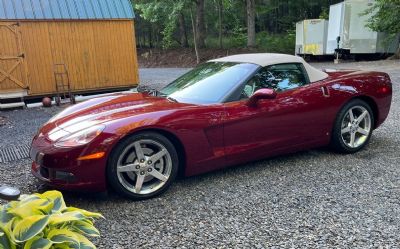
x=280 y=77
x=287 y=76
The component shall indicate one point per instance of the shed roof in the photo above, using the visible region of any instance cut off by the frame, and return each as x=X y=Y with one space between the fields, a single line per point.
x=65 y=9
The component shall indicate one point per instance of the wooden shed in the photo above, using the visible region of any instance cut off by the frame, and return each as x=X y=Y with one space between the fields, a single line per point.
x=92 y=42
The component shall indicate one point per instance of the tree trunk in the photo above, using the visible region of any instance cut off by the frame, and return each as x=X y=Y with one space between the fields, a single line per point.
x=138 y=40
x=220 y=6
x=200 y=27
x=251 y=23
x=150 y=36
x=396 y=55
x=182 y=30
x=195 y=37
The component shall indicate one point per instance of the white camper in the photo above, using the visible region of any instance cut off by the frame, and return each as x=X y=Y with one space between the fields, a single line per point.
x=346 y=22
x=311 y=37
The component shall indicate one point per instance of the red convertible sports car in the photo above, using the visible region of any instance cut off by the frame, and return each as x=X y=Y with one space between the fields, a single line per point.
x=224 y=112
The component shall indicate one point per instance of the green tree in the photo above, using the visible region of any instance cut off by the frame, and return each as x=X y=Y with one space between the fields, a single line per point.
x=386 y=18
x=169 y=14
x=222 y=23
x=162 y=13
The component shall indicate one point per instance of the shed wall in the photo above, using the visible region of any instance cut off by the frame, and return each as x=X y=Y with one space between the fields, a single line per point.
x=97 y=54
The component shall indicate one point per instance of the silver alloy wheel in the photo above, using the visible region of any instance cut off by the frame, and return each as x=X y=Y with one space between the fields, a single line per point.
x=356 y=126
x=144 y=166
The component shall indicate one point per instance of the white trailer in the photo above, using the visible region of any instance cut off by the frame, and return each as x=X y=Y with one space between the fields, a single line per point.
x=347 y=23
x=311 y=37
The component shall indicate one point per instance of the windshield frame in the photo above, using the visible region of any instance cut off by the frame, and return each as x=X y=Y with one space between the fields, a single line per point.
x=226 y=97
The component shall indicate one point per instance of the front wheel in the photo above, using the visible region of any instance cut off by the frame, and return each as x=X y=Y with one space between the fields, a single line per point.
x=353 y=127
x=142 y=166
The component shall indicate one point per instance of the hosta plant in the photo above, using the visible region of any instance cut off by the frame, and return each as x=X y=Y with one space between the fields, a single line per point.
x=44 y=221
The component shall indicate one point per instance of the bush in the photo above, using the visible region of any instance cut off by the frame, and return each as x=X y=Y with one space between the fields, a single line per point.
x=265 y=42
x=44 y=221
x=277 y=43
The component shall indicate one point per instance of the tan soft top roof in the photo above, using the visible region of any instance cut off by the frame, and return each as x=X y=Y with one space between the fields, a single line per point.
x=267 y=59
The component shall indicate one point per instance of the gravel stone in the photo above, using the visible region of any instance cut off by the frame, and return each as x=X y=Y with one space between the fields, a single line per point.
x=310 y=199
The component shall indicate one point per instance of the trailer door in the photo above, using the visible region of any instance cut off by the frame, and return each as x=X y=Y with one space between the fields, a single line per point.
x=334 y=27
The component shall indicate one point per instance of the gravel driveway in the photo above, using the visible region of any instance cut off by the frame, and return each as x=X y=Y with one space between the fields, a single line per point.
x=313 y=199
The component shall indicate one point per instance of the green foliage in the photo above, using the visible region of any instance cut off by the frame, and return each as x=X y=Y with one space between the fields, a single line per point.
x=385 y=16
x=324 y=13
x=164 y=13
x=276 y=43
x=265 y=42
x=159 y=20
x=43 y=221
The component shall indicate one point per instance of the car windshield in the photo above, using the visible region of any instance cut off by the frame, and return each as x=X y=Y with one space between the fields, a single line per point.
x=208 y=83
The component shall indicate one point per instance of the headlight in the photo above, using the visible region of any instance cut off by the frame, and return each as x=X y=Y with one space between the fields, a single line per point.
x=81 y=137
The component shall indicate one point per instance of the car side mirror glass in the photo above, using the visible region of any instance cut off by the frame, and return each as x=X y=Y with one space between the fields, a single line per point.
x=261 y=94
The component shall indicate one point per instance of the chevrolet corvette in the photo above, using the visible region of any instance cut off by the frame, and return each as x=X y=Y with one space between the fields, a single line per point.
x=225 y=112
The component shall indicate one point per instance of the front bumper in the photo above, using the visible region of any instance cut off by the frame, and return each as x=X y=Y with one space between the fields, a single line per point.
x=64 y=180
x=61 y=169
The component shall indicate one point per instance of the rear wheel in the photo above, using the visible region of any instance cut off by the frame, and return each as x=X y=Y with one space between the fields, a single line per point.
x=353 y=127
x=142 y=166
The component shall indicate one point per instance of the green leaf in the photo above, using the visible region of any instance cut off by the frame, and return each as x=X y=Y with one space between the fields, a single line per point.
x=84 y=243
x=38 y=243
x=33 y=207
x=5 y=241
x=63 y=236
x=66 y=217
x=5 y=216
x=64 y=246
x=85 y=213
x=86 y=228
x=27 y=198
x=29 y=227
x=57 y=198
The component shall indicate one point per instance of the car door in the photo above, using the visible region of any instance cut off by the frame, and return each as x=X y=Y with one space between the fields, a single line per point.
x=292 y=121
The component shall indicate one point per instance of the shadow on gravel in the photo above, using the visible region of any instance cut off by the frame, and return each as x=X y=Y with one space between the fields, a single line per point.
x=186 y=185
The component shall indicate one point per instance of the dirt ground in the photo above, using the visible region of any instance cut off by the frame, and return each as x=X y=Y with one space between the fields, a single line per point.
x=183 y=58
x=186 y=58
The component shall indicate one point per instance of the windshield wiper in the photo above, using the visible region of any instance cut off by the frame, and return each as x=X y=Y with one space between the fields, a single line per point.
x=154 y=92
x=148 y=89
x=172 y=99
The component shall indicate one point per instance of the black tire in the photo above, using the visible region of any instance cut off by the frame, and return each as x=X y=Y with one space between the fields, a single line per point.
x=112 y=175
x=337 y=142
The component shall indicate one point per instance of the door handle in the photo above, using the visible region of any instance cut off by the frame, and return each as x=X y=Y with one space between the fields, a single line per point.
x=325 y=91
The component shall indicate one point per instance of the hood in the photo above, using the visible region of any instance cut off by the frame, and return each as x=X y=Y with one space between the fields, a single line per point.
x=108 y=108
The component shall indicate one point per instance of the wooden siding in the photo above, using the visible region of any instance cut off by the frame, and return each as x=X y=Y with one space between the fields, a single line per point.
x=12 y=73
x=98 y=54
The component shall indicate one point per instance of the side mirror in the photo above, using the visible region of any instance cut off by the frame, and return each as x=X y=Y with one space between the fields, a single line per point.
x=261 y=94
